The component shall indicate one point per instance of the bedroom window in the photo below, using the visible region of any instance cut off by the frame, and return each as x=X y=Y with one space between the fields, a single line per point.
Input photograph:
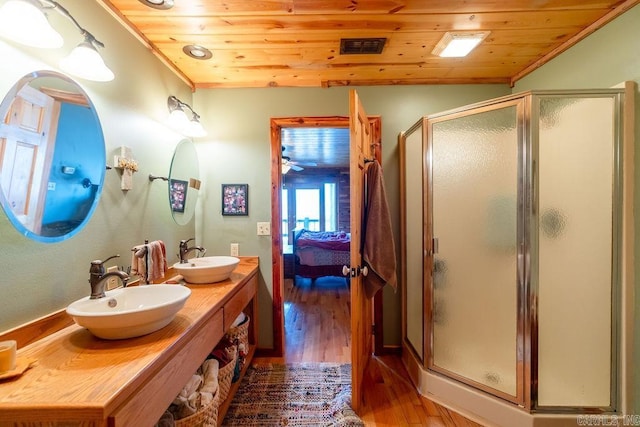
x=330 y=207
x=308 y=211
x=312 y=207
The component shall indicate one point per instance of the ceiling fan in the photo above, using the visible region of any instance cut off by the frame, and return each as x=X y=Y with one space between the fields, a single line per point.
x=288 y=164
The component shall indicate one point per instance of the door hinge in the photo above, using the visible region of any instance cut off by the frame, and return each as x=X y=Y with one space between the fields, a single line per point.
x=373 y=329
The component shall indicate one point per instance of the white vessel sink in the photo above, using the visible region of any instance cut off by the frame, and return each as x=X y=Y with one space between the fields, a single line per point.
x=129 y=312
x=208 y=269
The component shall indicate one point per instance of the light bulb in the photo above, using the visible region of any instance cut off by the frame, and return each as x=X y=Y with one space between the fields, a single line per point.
x=195 y=128
x=461 y=47
x=178 y=119
x=85 y=62
x=23 y=22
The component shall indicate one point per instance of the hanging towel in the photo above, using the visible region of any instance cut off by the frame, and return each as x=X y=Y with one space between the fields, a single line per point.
x=379 y=251
x=139 y=261
x=157 y=262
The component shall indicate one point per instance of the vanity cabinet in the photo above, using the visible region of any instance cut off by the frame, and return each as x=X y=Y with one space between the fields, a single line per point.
x=80 y=380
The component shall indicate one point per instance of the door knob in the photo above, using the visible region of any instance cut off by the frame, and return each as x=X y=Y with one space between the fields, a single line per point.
x=345 y=270
x=353 y=272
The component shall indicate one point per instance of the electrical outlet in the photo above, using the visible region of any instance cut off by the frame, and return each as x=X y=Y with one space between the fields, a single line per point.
x=112 y=282
x=234 y=249
x=264 y=229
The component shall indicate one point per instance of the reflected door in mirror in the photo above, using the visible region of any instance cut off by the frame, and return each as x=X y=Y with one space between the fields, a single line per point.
x=27 y=147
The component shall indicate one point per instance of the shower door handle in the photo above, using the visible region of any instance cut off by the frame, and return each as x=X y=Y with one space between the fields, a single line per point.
x=527 y=268
x=523 y=264
x=520 y=268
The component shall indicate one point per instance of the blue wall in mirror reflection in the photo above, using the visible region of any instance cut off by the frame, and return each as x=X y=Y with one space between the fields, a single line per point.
x=74 y=178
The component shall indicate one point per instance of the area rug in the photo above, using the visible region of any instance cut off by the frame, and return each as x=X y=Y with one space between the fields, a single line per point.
x=299 y=394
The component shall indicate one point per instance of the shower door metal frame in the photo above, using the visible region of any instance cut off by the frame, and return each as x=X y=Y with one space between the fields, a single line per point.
x=522 y=363
x=527 y=316
x=616 y=231
x=418 y=354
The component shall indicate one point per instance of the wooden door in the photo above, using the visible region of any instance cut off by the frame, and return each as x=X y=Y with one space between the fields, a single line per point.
x=27 y=144
x=361 y=138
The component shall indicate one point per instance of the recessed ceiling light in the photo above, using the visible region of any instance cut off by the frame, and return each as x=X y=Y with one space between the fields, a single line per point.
x=459 y=44
x=197 y=52
x=158 y=4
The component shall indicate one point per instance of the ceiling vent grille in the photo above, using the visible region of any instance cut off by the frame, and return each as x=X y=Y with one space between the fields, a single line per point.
x=362 y=46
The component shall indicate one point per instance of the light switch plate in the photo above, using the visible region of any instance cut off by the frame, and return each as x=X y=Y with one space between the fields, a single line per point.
x=112 y=282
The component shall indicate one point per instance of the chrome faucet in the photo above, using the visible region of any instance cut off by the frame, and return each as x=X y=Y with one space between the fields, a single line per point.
x=98 y=277
x=185 y=249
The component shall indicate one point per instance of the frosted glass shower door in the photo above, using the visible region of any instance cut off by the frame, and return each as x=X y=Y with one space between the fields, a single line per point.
x=577 y=251
x=412 y=236
x=474 y=176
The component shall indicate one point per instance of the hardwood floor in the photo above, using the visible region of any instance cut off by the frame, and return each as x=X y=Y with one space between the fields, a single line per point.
x=317 y=330
x=317 y=322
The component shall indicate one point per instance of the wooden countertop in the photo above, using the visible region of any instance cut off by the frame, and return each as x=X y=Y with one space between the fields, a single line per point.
x=82 y=377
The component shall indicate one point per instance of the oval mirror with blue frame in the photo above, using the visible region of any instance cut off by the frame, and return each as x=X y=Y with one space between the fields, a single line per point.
x=52 y=157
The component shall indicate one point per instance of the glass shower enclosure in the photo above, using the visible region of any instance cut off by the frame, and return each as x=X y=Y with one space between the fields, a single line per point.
x=519 y=234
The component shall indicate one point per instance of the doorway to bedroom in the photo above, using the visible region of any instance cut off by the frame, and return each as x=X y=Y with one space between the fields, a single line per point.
x=315 y=230
x=311 y=317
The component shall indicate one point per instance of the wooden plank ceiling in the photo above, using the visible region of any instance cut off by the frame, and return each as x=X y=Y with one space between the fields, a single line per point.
x=296 y=43
x=316 y=147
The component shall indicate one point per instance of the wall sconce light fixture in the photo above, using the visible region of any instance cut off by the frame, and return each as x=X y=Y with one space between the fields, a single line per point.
x=180 y=121
x=25 y=22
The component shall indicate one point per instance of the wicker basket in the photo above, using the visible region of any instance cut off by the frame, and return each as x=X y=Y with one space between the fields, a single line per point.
x=225 y=373
x=241 y=334
x=206 y=417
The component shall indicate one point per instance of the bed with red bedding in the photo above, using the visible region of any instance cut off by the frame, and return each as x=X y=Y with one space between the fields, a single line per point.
x=320 y=253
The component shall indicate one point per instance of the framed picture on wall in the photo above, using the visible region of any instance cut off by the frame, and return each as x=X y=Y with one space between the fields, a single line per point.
x=178 y=194
x=235 y=199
